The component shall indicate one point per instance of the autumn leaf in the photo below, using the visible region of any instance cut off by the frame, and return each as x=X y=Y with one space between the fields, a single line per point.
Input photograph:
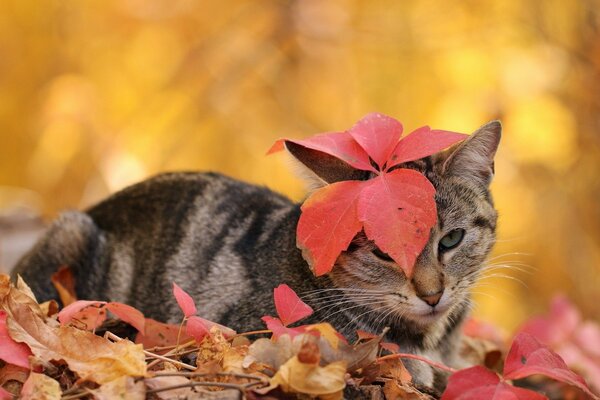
x=124 y=387
x=11 y=351
x=64 y=282
x=5 y=395
x=528 y=356
x=159 y=334
x=398 y=210
x=289 y=307
x=185 y=301
x=40 y=387
x=477 y=383
x=91 y=357
x=128 y=314
x=396 y=207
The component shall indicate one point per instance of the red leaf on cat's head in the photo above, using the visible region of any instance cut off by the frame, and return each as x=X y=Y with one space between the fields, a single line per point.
x=185 y=301
x=528 y=356
x=10 y=351
x=398 y=210
x=378 y=134
x=328 y=224
x=338 y=144
x=478 y=383
x=289 y=306
x=423 y=142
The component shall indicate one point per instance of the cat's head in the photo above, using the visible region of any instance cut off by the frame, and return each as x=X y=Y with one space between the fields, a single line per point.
x=458 y=244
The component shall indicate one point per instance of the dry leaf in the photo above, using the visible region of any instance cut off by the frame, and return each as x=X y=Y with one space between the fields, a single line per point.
x=394 y=390
x=40 y=387
x=64 y=283
x=90 y=356
x=125 y=388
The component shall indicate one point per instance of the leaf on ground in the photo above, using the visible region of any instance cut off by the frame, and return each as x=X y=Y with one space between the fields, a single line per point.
x=128 y=314
x=5 y=395
x=11 y=351
x=394 y=390
x=91 y=357
x=278 y=329
x=10 y=372
x=528 y=356
x=64 y=283
x=477 y=383
x=327 y=332
x=159 y=334
x=88 y=314
x=198 y=327
x=289 y=306
x=124 y=387
x=310 y=378
x=185 y=301
x=161 y=382
x=40 y=387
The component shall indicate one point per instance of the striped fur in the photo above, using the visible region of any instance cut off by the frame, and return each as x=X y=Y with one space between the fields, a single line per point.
x=229 y=244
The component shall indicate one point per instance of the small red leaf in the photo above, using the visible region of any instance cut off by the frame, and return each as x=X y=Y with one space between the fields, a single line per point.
x=378 y=134
x=398 y=210
x=158 y=334
x=196 y=328
x=185 y=301
x=479 y=383
x=337 y=144
x=69 y=312
x=128 y=314
x=421 y=143
x=10 y=351
x=5 y=395
x=289 y=306
x=328 y=223
x=528 y=356
x=278 y=329
x=227 y=332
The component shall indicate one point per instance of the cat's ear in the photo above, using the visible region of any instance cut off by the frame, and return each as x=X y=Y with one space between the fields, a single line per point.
x=474 y=158
x=319 y=168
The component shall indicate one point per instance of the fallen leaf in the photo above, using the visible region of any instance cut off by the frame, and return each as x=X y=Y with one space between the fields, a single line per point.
x=40 y=387
x=89 y=314
x=159 y=334
x=11 y=351
x=289 y=306
x=528 y=356
x=128 y=314
x=5 y=395
x=161 y=382
x=64 y=283
x=125 y=388
x=185 y=301
x=91 y=357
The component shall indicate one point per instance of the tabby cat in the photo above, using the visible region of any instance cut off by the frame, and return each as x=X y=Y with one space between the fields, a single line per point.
x=228 y=244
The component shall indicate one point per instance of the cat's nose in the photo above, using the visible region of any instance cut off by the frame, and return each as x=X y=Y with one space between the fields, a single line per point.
x=432 y=299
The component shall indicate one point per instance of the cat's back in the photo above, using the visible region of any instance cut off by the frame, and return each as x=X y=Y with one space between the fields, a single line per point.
x=209 y=233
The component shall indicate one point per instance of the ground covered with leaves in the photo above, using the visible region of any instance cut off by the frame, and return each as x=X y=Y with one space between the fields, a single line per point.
x=100 y=350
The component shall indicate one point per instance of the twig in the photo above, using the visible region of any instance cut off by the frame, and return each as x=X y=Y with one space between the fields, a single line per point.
x=419 y=358
x=112 y=336
x=251 y=333
x=173 y=351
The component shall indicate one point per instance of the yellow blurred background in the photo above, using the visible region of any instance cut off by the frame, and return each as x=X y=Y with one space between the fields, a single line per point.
x=98 y=94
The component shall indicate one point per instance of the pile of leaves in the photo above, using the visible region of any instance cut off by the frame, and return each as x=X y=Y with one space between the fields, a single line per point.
x=52 y=354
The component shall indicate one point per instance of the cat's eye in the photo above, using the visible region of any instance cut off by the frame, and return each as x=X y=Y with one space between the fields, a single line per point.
x=452 y=239
x=382 y=255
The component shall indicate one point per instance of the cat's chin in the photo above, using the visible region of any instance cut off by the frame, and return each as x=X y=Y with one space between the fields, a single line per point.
x=428 y=317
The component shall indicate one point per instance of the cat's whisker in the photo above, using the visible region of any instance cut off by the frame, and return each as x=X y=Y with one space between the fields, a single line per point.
x=516 y=253
x=328 y=316
x=504 y=276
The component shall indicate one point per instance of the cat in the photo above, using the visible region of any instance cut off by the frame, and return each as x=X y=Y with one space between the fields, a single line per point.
x=229 y=243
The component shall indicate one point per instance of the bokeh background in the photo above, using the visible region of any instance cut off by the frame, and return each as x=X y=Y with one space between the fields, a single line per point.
x=96 y=95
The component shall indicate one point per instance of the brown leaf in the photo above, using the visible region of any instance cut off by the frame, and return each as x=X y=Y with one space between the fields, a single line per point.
x=40 y=387
x=124 y=387
x=394 y=390
x=10 y=372
x=64 y=282
x=90 y=356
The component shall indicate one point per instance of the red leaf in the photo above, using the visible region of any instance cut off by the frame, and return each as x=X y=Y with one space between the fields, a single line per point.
x=5 y=395
x=197 y=321
x=479 y=383
x=421 y=143
x=10 y=351
x=85 y=311
x=128 y=314
x=289 y=306
x=196 y=328
x=556 y=327
x=158 y=334
x=378 y=134
x=185 y=301
x=398 y=210
x=328 y=223
x=278 y=329
x=528 y=356
x=337 y=144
